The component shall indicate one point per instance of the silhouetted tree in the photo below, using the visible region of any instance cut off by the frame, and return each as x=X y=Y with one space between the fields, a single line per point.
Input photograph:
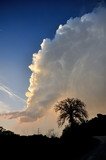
x=72 y=110
x=2 y=129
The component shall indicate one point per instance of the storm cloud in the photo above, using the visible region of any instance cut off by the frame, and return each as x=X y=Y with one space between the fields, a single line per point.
x=73 y=64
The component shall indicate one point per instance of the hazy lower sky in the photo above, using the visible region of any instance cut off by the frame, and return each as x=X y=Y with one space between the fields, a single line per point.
x=23 y=26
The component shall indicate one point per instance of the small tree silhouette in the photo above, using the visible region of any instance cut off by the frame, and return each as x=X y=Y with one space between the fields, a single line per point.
x=72 y=110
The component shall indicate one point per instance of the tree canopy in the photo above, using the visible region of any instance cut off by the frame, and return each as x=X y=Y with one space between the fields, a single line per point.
x=73 y=110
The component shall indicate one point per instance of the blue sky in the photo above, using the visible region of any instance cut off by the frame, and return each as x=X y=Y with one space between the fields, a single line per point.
x=23 y=26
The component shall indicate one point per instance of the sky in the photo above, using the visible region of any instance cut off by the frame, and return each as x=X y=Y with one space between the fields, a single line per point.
x=23 y=26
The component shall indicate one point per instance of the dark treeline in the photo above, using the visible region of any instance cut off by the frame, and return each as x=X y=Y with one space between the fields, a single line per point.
x=78 y=140
x=79 y=137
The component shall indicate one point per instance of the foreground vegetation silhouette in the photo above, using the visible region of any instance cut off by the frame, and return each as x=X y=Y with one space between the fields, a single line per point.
x=72 y=110
x=79 y=137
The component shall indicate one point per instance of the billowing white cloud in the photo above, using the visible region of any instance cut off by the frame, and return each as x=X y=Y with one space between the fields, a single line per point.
x=73 y=64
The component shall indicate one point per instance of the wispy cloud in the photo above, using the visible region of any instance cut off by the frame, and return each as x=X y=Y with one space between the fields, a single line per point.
x=73 y=64
x=9 y=101
x=9 y=92
x=4 y=107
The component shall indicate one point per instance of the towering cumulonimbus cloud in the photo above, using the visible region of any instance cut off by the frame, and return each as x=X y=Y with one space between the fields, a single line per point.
x=73 y=64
